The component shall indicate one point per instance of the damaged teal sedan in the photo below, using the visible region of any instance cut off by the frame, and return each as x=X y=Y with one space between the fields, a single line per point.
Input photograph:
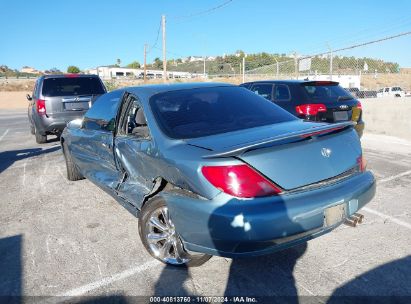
x=214 y=169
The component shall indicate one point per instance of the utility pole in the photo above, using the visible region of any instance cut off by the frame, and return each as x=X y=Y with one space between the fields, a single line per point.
x=145 y=63
x=331 y=64
x=163 y=22
x=296 y=65
x=244 y=69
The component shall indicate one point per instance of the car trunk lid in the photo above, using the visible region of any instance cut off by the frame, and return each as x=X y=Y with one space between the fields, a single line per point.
x=292 y=154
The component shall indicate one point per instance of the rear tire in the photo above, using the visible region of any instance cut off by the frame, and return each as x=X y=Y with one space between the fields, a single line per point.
x=40 y=139
x=157 y=237
x=73 y=173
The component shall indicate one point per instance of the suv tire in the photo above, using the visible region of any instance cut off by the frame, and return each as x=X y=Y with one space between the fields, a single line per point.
x=40 y=139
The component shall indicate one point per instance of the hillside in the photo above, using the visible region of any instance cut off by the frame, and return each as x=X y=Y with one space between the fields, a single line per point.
x=264 y=63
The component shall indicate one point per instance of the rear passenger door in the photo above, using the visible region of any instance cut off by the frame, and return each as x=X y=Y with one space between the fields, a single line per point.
x=263 y=89
x=133 y=152
x=282 y=97
x=32 y=103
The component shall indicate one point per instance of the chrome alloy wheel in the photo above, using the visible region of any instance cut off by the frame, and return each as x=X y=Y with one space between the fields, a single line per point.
x=162 y=238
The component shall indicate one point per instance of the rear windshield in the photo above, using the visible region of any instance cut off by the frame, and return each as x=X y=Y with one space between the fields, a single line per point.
x=207 y=111
x=326 y=92
x=72 y=86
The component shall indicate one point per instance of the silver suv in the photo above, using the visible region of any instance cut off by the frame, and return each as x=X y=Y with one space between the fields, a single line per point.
x=58 y=99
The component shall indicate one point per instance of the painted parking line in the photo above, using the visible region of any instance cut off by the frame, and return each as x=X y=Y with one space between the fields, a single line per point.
x=386 y=216
x=4 y=134
x=390 y=178
x=82 y=290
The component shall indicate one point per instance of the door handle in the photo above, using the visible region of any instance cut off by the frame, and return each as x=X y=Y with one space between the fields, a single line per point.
x=107 y=146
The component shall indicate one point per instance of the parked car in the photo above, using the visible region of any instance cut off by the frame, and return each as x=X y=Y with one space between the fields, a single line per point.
x=391 y=92
x=356 y=92
x=214 y=169
x=58 y=99
x=322 y=101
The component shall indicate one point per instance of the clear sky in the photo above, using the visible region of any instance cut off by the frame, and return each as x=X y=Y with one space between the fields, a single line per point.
x=88 y=33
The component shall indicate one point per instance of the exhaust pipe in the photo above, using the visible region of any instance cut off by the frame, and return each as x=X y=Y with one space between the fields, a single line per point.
x=359 y=216
x=354 y=220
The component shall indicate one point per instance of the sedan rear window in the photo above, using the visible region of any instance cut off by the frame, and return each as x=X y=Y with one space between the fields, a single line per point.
x=208 y=111
x=325 y=92
x=74 y=86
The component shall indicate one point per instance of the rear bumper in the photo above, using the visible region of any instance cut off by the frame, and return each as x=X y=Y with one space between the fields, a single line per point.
x=55 y=124
x=230 y=227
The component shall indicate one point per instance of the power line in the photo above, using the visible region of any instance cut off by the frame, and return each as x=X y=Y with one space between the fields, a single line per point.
x=204 y=12
x=369 y=32
x=341 y=49
x=363 y=44
x=171 y=53
x=155 y=42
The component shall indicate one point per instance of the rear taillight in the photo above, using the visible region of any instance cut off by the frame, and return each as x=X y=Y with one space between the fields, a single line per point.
x=41 y=106
x=240 y=181
x=362 y=163
x=310 y=109
x=359 y=105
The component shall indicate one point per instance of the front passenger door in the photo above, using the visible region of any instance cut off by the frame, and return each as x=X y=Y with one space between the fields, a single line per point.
x=93 y=145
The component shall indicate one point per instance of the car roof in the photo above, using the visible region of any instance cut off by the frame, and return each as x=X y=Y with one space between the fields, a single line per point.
x=167 y=87
x=288 y=81
x=67 y=75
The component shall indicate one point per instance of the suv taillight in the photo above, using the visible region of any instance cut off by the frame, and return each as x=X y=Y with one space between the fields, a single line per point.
x=362 y=163
x=41 y=106
x=310 y=109
x=240 y=181
x=359 y=105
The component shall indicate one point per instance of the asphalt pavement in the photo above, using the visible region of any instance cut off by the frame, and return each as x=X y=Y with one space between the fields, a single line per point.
x=62 y=238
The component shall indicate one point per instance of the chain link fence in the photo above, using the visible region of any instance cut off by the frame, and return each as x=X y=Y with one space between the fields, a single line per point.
x=341 y=65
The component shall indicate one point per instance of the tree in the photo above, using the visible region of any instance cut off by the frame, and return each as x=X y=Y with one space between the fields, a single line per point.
x=157 y=63
x=118 y=61
x=73 y=69
x=134 y=65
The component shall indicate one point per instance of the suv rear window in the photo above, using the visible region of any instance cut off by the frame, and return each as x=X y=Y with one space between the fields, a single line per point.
x=207 y=111
x=72 y=86
x=325 y=92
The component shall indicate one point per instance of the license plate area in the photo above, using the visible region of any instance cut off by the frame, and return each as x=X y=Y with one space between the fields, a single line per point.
x=334 y=215
x=76 y=106
x=340 y=115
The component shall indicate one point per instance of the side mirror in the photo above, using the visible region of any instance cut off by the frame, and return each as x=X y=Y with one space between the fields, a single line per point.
x=29 y=98
x=75 y=124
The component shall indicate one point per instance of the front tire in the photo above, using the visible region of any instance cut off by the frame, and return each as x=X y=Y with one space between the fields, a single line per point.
x=73 y=173
x=157 y=232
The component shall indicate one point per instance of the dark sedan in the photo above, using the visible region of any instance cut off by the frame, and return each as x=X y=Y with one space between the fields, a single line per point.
x=323 y=101
x=214 y=169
